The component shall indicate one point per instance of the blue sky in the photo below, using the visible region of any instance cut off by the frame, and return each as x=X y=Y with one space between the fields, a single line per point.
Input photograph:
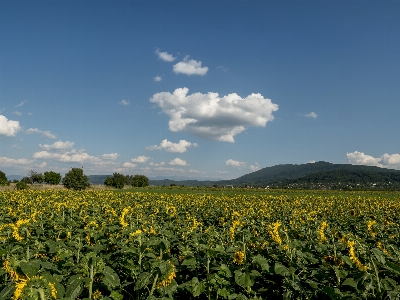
x=197 y=89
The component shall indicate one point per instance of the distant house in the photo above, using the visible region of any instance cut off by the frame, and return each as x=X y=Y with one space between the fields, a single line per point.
x=229 y=186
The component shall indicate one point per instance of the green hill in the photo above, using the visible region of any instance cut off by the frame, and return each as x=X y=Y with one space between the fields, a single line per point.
x=288 y=172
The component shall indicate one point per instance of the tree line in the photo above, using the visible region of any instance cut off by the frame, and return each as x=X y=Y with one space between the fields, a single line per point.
x=75 y=179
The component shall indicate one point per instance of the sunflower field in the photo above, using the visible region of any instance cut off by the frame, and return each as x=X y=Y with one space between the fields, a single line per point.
x=106 y=245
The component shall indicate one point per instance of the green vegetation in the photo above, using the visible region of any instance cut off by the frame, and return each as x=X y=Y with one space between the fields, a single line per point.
x=117 y=181
x=52 y=177
x=3 y=179
x=76 y=180
x=107 y=245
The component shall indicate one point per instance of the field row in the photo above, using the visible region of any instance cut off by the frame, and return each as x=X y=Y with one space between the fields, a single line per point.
x=106 y=245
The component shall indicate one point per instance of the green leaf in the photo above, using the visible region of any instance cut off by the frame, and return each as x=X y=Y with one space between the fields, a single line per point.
x=281 y=269
x=142 y=281
x=7 y=292
x=111 y=278
x=74 y=287
x=195 y=287
x=224 y=268
x=243 y=279
x=347 y=260
x=340 y=273
x=380 y=256
x=393 y=267
x=313 y=284
x=2 y=252
x=223 y=292
x=189 y=262
x=261 y=261
x=332 y=293
x=116 y=296
x=350 y=282
x=30 y=268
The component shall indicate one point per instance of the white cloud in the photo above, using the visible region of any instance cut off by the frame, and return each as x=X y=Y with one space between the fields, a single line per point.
x=384 y=161
x=180 y=147
x=111 y=156
x=8 y=127
x=235 y=163
x=129 y=165
x=11 y=162
x=391 y=160
x=70 y=157
x=60 y=145
x=157 y=78
x=124 y=102
x=312 y=115
x=140 y=159
x=169 y=169
x=222 y=172
x=165 y=56
x=46 y=134
x=212 y=117
x=22 y=103
x=157 y=164
x=18 y=113
x=178 y=162
x=190 y=67
x=359 y=158
x=254 y=167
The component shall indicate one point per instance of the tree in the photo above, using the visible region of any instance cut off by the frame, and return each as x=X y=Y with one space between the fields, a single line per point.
x=39 y=178
x=140 y=181
x=76 y=180
x=117 y=181
x=27 y=180
x=3 y=179
x=52 y=177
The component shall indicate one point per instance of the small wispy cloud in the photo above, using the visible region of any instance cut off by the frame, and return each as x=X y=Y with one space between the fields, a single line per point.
x=46 y=134
x=190 y=67
x=165 y=56
x=180 y=147
x=18 y=113
x=140 y=159
x=60 y=145
x=111 y=156
x=178 y=162
x=124 y=102
x=22 y=103
x=312 y=115
x=235 y=163
x=157 y=78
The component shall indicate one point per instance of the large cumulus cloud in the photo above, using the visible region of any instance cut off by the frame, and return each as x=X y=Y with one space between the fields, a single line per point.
x=213 y=117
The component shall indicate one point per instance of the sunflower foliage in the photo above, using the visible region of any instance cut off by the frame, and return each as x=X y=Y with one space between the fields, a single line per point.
x=106 y=245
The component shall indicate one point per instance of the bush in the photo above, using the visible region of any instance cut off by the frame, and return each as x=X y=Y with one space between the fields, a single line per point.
x=140 y=181
x=52 y=177
x=22 y=185
x=76 y=180
x=3 y=179
x=27 y=180
x=117 y=181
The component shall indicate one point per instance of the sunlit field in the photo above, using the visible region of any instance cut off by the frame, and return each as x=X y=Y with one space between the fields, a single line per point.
x=199 y=244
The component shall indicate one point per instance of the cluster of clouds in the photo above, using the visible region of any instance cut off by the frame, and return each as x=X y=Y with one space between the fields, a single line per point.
x=240 y=164
x=168 y=146
x=384 y=161
x=187 y=66
x=213 y=117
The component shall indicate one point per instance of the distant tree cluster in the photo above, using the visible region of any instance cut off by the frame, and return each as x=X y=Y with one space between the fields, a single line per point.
x=119 y=181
